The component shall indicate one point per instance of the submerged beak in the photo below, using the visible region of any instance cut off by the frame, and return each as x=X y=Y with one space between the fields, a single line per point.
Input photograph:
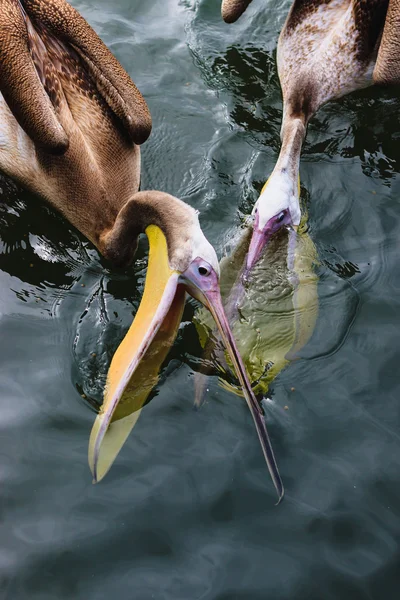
x=263 y=233
x=261 y=237
x=259 y=240
x=135 y=365
x=202 y=283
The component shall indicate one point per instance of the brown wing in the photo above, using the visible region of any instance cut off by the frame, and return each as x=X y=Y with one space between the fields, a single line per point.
x=20 y=84
x=369 y=18
x=300 y=10
x=387 y=68
x=21 y=80
x=112 y=81
x=232 y=9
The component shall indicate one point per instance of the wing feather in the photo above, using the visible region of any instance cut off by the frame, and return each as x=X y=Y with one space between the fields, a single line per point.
x=112 y=81
x=20 y=83
x=387 y=68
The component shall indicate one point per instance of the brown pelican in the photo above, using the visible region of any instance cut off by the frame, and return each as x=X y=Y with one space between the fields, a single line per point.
x=71 y=120
x=326 y=49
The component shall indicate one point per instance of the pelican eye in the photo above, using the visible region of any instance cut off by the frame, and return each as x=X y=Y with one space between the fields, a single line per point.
x=204 y=271
x=280 y=217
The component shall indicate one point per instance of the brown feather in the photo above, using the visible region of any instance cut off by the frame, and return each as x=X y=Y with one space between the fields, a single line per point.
x=327 y=49
x=302 y=9
x=387 y=68
x=114 y=84
x=100 y=170
x=231 y=10
x=28 y=100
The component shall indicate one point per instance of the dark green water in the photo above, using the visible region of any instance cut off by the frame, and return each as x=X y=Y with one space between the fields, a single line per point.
x=187 y=512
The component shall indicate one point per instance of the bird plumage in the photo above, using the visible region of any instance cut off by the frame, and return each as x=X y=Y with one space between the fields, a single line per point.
x=70 y=114
x=387 y=68
x=326 y=49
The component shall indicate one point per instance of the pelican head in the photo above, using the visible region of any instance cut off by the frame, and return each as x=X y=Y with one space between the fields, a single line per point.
x=278 y=206
x=180 y=260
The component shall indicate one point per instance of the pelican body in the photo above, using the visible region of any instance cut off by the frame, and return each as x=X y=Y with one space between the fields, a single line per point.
x=326 y=49
x=71 y=122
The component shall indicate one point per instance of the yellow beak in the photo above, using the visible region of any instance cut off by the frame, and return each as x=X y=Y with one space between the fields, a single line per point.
x=135 y=366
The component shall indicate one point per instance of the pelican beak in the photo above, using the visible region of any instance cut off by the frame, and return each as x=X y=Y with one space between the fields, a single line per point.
x=135 y=365
x=202 y=283
x=259 y=240
x=261 y=237
x=263 y=233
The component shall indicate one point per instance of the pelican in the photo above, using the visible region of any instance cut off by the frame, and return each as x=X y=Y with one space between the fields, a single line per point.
x=71 y=122
x=326 y=49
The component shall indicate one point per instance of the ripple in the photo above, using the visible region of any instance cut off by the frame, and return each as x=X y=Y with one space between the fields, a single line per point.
x=188 y=509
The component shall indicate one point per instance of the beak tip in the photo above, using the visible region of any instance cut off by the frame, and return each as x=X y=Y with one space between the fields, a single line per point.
x=281 y=494
x=94 y=474
x=96 y=479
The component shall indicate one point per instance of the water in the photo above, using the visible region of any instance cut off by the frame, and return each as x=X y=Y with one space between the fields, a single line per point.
x=187 y=511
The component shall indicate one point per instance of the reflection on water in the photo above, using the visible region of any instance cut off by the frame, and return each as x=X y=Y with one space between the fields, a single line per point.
x=187 y=510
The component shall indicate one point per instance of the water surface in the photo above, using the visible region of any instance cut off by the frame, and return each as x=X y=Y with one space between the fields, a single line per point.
x=187 y=511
